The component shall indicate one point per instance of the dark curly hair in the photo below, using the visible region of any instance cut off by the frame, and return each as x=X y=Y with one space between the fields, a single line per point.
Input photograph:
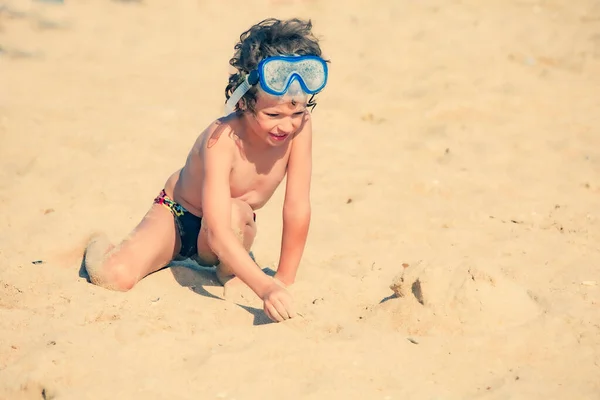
x=269 y=37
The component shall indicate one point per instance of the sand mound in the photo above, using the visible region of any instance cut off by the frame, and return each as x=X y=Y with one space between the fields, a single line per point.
x=459 y=299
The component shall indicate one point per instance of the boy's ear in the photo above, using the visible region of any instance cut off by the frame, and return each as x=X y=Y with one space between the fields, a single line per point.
x=242 y=104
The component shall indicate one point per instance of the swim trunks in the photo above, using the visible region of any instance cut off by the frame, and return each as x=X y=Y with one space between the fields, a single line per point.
x=188 y=226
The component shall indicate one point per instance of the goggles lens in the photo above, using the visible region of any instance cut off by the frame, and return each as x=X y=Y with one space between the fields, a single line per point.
x=277 y=73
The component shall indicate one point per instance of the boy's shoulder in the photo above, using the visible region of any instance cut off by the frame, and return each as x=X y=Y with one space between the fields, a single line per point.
x=223 y=127
x=227 y=124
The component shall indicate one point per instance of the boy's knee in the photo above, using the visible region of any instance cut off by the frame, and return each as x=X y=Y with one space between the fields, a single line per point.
x=241 y=213
x=242 y=222
x=113 y=277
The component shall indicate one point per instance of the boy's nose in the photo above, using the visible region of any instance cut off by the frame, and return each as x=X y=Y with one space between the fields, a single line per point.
x=286 y=127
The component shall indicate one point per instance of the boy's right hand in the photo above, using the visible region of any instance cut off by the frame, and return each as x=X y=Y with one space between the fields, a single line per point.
x=278 y=303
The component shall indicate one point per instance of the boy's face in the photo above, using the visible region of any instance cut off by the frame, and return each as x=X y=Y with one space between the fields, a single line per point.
x=277 y=118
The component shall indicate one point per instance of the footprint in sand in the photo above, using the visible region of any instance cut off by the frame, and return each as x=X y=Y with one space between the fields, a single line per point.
x=442 y=298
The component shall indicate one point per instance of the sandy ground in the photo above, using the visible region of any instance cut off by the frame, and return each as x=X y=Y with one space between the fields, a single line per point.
x=455 y=246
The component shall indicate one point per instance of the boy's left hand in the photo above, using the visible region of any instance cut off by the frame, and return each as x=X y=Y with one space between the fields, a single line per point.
x=278 y=303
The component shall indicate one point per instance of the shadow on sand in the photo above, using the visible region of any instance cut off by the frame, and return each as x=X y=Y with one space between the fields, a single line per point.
x=196 y=277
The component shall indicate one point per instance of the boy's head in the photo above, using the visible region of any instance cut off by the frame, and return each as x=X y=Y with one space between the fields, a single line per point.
x=268 y=38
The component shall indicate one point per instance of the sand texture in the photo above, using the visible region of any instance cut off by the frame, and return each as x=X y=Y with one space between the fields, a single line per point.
x=454 y=250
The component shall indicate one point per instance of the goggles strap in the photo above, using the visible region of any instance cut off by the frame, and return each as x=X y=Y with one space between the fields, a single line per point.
x=237 y=94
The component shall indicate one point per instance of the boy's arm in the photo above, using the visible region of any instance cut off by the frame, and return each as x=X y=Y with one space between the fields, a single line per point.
x=296 y=206
x=216 y=206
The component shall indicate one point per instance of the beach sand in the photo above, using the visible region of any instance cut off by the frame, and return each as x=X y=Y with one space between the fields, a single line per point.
x=454 y=250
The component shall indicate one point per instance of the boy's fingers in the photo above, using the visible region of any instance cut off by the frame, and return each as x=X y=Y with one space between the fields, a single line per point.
x=289 y=307
x=274 y=314
x=269 y=314
x=291 y=311
x=281 y=309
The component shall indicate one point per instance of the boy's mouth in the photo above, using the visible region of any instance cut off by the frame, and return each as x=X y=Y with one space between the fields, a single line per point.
x=278 y=137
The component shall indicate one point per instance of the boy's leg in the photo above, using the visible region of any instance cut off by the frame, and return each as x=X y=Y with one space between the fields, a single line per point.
x=244 y=227
x=148 y=248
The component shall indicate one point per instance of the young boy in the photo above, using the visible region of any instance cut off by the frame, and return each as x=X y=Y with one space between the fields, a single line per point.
x=206 y=209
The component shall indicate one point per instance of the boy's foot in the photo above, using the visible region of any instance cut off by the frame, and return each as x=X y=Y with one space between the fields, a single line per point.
x=97 y=248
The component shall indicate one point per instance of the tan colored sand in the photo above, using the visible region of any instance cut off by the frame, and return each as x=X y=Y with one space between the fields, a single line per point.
x=461 y=138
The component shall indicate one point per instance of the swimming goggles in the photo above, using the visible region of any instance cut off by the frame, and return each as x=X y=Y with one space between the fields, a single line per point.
x=277 y=74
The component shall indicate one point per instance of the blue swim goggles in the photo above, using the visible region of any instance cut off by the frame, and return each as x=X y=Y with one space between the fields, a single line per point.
x=277 y=74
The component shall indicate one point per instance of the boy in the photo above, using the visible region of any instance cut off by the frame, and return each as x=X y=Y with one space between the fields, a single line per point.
x=206 y=209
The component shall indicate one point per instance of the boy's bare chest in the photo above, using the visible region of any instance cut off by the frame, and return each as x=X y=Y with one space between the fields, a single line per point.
x=255 y=182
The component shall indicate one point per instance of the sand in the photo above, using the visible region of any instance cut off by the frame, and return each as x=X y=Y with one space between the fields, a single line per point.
x=454 y=251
